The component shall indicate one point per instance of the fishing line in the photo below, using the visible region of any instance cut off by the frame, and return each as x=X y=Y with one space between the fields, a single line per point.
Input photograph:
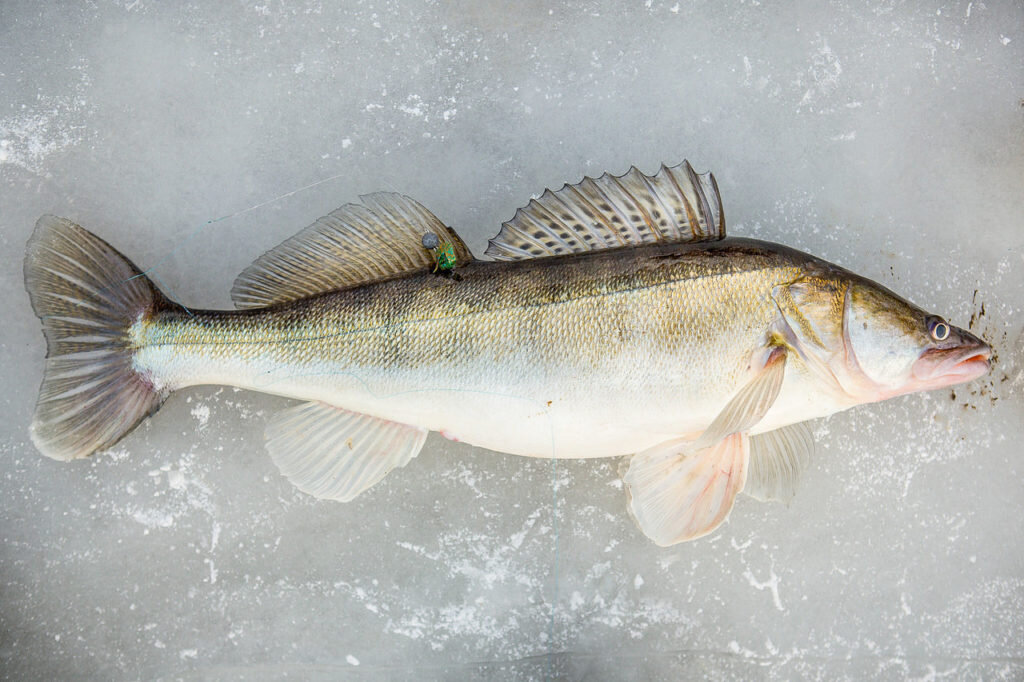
x=554 y=534
x=194 y=231
x=163 y=287
x=151 y=272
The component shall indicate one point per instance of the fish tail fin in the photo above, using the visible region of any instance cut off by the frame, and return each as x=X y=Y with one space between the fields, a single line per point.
x=88 y=297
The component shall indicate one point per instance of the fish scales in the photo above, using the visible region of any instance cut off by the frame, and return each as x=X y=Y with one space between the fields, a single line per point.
x=618 y=320
x=631 y=337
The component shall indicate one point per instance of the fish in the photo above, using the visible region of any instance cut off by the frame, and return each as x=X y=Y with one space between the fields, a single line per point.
x=611 y=318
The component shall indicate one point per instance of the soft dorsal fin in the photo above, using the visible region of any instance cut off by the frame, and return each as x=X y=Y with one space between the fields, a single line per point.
x=356 y=244
x=675 y=205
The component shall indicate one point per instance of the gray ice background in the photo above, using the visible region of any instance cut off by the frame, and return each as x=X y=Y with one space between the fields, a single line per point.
x=887 y=137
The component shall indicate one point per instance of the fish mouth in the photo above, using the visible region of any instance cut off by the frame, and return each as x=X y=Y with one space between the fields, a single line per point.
x=939 y=367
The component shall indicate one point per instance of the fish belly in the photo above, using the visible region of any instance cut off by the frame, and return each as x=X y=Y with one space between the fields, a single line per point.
x=522 y=410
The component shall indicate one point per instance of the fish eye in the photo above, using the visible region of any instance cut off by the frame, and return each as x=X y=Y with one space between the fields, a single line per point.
x=938 y=328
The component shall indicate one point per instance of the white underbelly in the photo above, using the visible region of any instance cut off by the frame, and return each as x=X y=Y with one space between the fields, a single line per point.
x=552 y=423
x=550 y=416
x=537 y=414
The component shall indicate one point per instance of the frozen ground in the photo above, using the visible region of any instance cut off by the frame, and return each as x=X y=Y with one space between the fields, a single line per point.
x=888 y=137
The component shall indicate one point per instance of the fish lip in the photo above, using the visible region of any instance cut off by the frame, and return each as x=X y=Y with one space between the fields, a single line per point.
x=954 y=365
x=974 y=365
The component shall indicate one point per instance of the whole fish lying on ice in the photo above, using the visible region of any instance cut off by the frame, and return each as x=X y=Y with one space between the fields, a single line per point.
x=620 y=321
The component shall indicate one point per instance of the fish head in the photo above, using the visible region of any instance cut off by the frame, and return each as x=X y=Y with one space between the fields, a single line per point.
x=901 y=348
x=870 y=344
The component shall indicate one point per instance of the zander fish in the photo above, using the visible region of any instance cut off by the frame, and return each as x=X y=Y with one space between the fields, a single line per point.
x=615 y=319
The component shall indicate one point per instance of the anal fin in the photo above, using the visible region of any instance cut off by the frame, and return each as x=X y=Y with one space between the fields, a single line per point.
x=676 y=494
x=334 y=454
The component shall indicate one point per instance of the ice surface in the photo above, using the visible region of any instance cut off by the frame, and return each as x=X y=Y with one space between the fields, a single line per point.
x=888 y=137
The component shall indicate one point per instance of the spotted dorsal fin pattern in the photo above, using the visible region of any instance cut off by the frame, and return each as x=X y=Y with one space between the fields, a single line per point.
x=674 y=205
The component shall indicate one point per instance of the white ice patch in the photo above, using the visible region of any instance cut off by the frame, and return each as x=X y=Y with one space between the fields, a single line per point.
x=821 y=77
x=177 y=491
x=50 y=125
x=202 y=414
x=153 y=518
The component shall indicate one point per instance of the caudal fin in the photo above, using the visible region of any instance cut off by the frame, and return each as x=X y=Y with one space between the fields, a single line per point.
x=88 y=296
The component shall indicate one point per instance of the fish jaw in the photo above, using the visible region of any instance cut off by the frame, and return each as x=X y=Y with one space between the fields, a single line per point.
x=963 y=358
x=970 y=359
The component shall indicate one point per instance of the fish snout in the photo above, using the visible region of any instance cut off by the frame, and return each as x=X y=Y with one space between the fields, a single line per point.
x=961 y=357
x=976 y=355
x=973 y=346
x=972 y=349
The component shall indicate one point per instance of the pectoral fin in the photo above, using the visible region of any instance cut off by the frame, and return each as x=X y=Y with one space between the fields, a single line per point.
x=777 y=459
x=681 y=490
x=335 y=454
x=750 y=404
x=677 y=495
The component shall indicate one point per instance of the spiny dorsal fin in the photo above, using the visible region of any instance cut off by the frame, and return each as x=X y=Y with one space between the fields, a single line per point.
x=356 y=244
x=675 y=205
